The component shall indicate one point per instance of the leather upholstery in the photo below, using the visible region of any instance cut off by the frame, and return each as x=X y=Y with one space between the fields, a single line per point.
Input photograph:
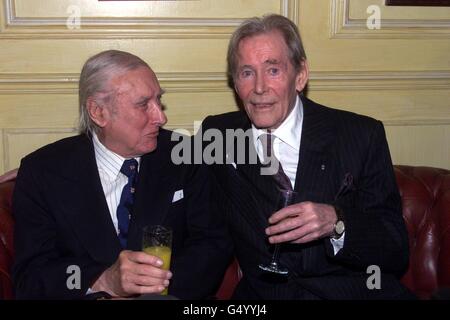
x=6 y=239
x=425 y=195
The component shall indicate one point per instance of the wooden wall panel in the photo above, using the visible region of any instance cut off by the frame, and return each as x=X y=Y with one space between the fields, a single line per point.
x=426 y=141
x=41 y=56
x=18 y=142
x=399 y=74
x=138 y=19
x=349 y=20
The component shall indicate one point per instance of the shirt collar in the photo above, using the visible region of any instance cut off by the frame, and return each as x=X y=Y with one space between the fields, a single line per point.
x=107 y=160
x=290 y=129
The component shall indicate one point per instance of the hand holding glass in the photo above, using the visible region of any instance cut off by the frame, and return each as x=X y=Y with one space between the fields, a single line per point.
x=157 y=241
x=286 y=198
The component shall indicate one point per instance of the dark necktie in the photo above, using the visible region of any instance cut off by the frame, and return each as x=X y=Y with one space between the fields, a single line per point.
x=129 y=168
x=280 y=177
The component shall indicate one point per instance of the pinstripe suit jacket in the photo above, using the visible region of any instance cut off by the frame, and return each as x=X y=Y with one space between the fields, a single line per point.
x=334 y=143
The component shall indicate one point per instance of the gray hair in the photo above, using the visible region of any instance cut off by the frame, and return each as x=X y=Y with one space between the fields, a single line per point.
x=256 y=26
x=94 y=79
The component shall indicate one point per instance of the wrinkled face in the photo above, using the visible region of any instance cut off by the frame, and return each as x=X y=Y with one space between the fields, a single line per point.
x=129 y=123
x=266 y=80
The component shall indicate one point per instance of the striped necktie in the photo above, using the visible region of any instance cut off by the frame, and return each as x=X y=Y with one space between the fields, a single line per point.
x=124 y=210
x=280 y=177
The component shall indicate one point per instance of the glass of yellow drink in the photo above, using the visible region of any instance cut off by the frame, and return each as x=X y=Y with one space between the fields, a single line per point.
x=157 y=241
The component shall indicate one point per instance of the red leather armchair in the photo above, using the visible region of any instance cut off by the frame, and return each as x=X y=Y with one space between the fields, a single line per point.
x=425 y=195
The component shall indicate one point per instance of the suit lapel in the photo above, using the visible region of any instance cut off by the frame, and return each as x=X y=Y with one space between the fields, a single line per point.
x=314 y=170
x=315 y=165
x=84 y=199
x=153 y=193
x=260 y=189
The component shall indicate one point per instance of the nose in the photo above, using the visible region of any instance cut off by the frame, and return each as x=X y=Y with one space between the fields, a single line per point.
x=158 y=116
x=260 y=84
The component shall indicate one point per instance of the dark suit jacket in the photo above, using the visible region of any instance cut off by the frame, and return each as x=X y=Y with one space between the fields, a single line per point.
x=333 y=143
x=62 y=219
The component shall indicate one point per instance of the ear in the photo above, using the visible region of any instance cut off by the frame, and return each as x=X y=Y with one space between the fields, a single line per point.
x=235 y=87
x=99 y=114
x=302 y=76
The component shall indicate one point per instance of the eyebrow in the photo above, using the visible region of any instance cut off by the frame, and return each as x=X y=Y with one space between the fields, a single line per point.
x=245 y=66
x=268 y=61
x=147 y=98
x=272 y=61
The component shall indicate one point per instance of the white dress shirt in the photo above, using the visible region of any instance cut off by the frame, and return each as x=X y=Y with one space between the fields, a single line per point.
x=113 y=181
x=286 y=146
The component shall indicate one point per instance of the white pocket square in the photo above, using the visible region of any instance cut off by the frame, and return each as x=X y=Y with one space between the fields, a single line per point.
x=178 y=195
x=232 y=163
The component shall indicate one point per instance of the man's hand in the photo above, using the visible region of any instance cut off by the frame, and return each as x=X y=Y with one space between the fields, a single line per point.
x=134 y=272
x=302 y=222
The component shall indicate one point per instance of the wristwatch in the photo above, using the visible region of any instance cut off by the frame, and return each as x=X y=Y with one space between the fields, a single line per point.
x=339 y=226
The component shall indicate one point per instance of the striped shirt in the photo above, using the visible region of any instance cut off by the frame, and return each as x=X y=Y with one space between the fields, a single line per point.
x=113 y=181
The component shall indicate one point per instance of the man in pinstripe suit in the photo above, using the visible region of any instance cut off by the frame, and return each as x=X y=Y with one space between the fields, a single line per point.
x=348 y=216
x=68 y=196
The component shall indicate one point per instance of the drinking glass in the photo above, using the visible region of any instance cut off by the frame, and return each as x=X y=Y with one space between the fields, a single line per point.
x=286 y=198
x=157 y=241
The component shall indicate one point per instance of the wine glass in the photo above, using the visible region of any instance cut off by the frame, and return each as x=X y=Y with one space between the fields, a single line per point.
x=286 y=198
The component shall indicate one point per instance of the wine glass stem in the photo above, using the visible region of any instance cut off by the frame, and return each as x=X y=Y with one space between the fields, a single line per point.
x=276 y=252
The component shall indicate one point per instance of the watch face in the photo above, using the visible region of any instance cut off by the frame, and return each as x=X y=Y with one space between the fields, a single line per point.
x=339 y=228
